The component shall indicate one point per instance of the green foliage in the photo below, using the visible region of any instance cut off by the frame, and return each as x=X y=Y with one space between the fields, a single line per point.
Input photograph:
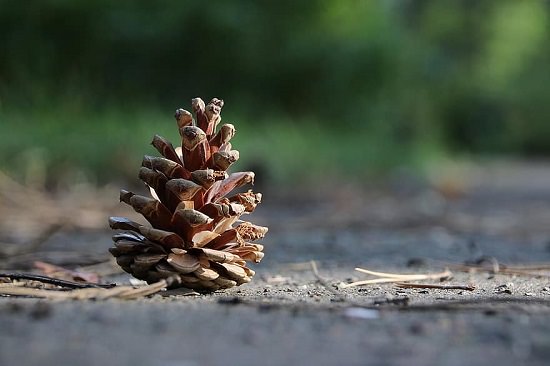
x=334 y=84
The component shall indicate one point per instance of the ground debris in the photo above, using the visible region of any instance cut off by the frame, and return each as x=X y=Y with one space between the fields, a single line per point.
x=65 y=273
x=469 y=287
x=398 y=301
x=507 y=288
x=277 y=280
x=32 y=277
x=234 y=300
x=383 y=277
x=493 y=266
x=30 y=285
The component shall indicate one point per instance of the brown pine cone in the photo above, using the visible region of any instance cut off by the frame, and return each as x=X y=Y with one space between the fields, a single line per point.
x=195 y=235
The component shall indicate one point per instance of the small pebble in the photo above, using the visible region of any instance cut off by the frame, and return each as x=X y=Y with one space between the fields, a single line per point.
x=504 y=289
x=361 y=313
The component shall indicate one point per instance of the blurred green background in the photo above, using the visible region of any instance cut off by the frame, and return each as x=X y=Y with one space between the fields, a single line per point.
x=315 y=88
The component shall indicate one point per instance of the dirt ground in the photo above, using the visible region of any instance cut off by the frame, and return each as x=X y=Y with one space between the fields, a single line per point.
x=288 y=315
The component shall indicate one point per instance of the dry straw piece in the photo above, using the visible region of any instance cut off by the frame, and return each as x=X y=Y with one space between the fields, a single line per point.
x=119 y=292
x=195 y=232
x=382 y=277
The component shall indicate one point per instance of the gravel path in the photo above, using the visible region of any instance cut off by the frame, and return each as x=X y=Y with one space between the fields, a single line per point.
x=289 y=315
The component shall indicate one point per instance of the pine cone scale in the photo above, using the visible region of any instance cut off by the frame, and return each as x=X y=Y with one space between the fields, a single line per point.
x=165 y=148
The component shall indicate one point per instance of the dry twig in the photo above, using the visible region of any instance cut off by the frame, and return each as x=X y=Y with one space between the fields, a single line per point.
x=52 y=281
x=63 y=273
x=323 y=281
x=119 y=292
x=77 y=291
x=538 y=270
x=469 y=287
x=493 y=266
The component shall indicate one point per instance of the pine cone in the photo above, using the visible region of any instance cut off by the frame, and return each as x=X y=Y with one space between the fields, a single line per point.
x=196 y=236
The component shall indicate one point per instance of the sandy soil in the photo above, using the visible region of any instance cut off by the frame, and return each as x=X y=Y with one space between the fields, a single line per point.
x=288 y=315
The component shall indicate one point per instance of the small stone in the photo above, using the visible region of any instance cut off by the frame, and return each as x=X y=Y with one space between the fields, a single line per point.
x=505 y=289
x=361 y=313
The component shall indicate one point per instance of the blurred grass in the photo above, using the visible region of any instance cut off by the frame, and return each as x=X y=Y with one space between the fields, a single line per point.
x=56 y=147
x=49 y=147
x=318 y=90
